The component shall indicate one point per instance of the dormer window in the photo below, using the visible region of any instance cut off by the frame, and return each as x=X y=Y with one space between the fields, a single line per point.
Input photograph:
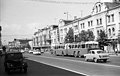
x=99 y=8
x=96 y=9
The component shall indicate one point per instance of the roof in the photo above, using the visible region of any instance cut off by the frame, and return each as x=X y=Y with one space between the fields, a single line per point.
x=91 y=42
x=110 y=5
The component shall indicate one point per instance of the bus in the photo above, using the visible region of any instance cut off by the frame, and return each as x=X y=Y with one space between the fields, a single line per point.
x=74 y=49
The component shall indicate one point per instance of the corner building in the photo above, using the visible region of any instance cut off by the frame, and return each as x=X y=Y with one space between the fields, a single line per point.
x=105 y=16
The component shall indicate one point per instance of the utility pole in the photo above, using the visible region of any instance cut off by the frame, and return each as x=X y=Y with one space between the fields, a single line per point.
x=66 y=14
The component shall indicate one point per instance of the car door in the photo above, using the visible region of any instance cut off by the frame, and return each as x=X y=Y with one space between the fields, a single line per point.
x=92 y=55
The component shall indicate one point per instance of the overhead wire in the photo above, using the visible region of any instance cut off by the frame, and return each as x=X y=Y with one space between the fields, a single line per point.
x=62 y=2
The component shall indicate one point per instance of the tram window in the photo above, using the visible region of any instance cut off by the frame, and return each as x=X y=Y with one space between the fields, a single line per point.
x=70 y=46
x=76 y=46
x=83 y=46
x=59 y=47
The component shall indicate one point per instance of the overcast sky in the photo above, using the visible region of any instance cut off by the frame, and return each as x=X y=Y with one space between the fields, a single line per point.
x=20 y=18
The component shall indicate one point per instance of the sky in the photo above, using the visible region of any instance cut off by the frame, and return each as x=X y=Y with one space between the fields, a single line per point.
x=21 y=18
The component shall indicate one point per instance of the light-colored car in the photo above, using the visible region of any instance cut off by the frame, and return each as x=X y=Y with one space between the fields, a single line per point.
x=22 y=51
x=30 y=51
x=36 y=52
x=96 y=55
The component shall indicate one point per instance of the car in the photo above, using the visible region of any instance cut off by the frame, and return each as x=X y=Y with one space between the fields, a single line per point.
x=22 y=51
x=96 y=55
x=36 y=52
x=30 y=51
x=14 y=61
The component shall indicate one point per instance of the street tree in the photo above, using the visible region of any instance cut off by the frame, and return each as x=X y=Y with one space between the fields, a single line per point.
x=102 y=39
x=69 y=38
x=85 y=36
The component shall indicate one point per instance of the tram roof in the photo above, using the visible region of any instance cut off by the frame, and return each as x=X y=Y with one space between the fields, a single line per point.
x=91 y=42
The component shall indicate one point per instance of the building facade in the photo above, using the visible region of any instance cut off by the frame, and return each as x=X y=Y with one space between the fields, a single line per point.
x=105 y=16
x=42 y=38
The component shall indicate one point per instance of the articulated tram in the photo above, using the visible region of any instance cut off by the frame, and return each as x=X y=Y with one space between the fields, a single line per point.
x=74 y=49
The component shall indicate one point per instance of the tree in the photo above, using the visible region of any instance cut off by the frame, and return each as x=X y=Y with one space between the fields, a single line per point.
x=85 y=36
x=102 y=39
x=90 y=35
x=69 y=38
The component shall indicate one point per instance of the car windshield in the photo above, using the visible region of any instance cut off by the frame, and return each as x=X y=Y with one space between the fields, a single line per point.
x=13 y=56
x=100 y=52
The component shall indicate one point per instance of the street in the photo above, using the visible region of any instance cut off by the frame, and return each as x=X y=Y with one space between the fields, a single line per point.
x=38 y=69
x=79 y=66
x=50 y=65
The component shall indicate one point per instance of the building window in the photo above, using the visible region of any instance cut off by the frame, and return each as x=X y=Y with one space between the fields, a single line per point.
x=109 y=32
x=91 y=23
x=100 y=21
x=96 y=9
x=82 y=25
x=88 y=24
x=108 y=19
x=99 y=8
x=113 y=29
x=112 y=17
x=97 y=22
x=98 y=32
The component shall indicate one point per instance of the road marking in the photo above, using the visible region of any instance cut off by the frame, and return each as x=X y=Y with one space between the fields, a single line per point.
x=59 y=67
x=77 y=61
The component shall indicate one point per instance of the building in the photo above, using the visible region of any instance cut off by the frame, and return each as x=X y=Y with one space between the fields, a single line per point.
x=42 y=38
x=19 y=43
x=105 y=16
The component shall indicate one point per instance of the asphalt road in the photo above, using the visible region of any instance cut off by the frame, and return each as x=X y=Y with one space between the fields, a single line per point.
x=78 y=66
x=38 y=69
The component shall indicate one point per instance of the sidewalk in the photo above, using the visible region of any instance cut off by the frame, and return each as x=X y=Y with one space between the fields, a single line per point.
x=113 y=54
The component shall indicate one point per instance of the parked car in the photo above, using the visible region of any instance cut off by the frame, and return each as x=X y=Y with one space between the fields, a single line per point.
x=22 y=51
x=36 y=52
x=96 y=55
x=14 y=61
x=30 y=51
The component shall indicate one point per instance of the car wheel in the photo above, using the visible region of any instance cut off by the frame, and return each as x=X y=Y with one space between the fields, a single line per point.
x=95 y=60
x=25 y=70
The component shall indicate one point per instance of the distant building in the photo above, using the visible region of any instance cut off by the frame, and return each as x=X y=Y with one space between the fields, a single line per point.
x=19 y=43
x=42 y=38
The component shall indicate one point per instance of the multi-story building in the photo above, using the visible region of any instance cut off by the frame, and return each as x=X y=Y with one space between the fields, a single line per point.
x=19 y=43
x=54 y=35
x=105 y=16
x=42 y=38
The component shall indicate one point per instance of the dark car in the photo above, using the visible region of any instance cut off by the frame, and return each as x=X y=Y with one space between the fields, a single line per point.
x=14 y=61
